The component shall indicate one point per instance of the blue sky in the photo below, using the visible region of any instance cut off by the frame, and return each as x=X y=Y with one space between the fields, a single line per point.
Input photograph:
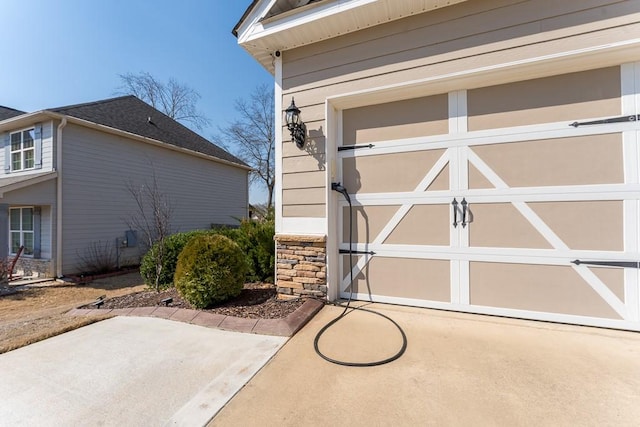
x=64 y=52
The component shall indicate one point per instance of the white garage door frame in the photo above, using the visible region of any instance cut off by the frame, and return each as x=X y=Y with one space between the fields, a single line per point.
x=457 y=144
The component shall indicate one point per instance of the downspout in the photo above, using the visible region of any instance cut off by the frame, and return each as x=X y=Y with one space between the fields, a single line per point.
x=61 y=126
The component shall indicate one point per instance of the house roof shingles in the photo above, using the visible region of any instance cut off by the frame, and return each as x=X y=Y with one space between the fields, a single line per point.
x=130 y=114
x=7 y=113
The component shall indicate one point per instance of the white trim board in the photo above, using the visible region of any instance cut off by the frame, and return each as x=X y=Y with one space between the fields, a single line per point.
x=502 y=312
x=277 y=191
x=304 y=226
x=495 y=136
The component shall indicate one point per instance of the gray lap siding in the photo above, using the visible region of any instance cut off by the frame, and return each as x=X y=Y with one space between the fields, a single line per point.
x=41 y=195
x=97 y=168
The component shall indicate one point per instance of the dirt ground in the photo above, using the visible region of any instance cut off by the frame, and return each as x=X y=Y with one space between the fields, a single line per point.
x=38 y=312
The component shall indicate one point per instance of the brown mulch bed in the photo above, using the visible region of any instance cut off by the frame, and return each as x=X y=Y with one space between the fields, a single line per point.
x=256 y=301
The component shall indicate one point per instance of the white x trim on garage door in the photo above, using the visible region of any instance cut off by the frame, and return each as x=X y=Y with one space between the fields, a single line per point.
x=533 y=197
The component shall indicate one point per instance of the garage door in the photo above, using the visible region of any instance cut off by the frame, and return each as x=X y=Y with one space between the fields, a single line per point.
x=518 y=200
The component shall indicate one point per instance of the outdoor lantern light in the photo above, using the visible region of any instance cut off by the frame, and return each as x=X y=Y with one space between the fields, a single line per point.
x=296 y=126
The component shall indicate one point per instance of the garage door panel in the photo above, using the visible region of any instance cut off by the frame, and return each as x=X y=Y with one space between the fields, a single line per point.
x=542 y=288
x=612 y=278
x=492 y=217
x=355 y=259
x=383 y=173
x=476 y=179
x=501 y=225
x=573 y=96
x=421 y=279
x=394 y=120
x=368 y=221
x=423 y=225
x=586 y=225
x=585 y=160
x=441 y=182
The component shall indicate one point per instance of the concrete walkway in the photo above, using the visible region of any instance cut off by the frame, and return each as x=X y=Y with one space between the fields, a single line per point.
x=129 y=371
x=458 y=370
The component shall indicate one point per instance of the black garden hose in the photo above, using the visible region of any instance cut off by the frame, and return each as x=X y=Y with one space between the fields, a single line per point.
x=346 y=311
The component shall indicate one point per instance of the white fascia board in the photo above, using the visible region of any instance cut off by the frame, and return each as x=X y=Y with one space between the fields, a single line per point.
x=252 y=21
x=26 y=120
x=285 y=22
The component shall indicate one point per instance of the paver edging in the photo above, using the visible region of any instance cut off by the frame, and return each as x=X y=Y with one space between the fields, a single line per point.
x=285 y=327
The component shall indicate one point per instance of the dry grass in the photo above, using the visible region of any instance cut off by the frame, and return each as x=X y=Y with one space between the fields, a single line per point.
x=40 y=329
x=35 y=314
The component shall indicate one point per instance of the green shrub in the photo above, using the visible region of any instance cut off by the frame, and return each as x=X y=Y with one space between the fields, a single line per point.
x=255 y=238
x=260 y=248
x=172 y=247
x=210 y=270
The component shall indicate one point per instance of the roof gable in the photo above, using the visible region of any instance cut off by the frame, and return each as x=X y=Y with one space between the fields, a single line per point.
x=130 y=114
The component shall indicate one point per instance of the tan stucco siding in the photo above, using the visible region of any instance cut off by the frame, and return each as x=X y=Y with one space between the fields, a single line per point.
x=462 y=37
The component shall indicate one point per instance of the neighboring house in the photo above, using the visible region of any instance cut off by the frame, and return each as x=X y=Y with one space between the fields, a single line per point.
x=450 y=125
x=68 y=172
x=7 y=113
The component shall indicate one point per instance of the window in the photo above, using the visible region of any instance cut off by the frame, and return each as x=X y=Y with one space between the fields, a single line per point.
x=23 y=150
x=21 y=229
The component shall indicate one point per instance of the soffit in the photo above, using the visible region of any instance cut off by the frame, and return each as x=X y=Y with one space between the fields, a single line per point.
x=318 y=21
x=282 y=6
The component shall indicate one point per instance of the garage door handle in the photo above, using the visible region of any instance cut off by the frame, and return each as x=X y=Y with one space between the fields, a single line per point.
x=464 y=212
x=624 y=264
x=455 y=213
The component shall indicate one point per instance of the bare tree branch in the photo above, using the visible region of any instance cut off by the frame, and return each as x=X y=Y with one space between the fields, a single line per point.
x=152 y=218
x=252 y=136
x=174 y=99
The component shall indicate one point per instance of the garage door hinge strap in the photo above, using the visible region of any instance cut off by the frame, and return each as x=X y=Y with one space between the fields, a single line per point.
x=625 y=264
x=347 y=251
x=621 y=119
x=354 y=147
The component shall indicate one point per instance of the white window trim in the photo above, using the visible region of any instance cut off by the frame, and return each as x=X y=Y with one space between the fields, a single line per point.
x=32 y=231
x=22 y=150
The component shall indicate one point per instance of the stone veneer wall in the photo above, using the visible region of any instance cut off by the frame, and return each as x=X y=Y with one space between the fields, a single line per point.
x=301 y=265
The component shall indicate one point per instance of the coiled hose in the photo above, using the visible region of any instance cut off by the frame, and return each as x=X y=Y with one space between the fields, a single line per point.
x=346 y=311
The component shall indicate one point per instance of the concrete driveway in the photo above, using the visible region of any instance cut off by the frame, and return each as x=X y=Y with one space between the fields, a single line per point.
x=458 y=370
x=129 y=371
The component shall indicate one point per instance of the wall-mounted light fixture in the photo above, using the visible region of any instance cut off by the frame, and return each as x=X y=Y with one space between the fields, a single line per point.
x=295 y=125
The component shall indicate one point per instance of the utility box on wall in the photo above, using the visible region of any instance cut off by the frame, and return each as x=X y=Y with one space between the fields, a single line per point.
x=131 y=237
